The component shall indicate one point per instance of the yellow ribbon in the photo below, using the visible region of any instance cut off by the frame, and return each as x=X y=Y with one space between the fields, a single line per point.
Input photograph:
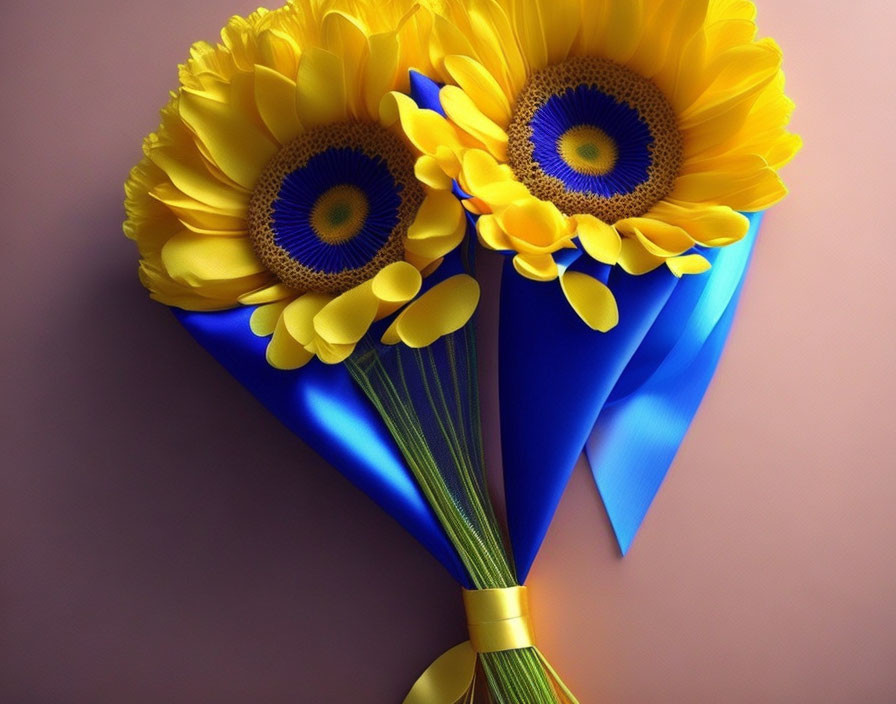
x=497 y=620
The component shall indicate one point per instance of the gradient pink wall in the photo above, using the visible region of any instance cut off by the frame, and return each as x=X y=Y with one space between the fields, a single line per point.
x=162 y=539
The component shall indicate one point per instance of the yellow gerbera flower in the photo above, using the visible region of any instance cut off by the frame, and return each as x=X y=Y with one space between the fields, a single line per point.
x=271 y=182
x=630 y=130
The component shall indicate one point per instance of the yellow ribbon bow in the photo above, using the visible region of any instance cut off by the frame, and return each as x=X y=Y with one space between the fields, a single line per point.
x=497 y=620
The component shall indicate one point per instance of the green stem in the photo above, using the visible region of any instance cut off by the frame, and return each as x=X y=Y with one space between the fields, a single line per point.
x=435 y=420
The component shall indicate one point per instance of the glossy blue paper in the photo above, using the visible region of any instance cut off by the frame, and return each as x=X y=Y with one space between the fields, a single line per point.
x=573 y=386
x=644 y=421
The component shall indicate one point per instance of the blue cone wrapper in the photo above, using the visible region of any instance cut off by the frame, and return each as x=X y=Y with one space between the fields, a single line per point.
x=629 y=394
x=323 y=406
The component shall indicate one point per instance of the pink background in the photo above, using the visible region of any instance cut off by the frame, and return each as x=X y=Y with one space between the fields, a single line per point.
x=165 y=540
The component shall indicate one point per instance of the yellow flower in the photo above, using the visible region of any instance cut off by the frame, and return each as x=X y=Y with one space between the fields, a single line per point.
x=630 y=130
x=271 y=182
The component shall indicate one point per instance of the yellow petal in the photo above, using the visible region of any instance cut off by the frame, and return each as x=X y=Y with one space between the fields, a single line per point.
x=275 y=98
x=264 y=319
x=447 y=37
x=432 y=248
x=194 y=259
x=466 y=115
x=667 y=31
x=726 y=34
x=530 y=33
x=744 y=183
x=345 y=38
x=425 y=265
x=380 y=71
x=188 y=173
x=711 y=135
x=489 y=22
x=599 y=239
x=426 y=129
x=492 y=185
x=538 y=267
x=500 y=194
x=636 y=260
x=438 y=216
x=479 y=169
x=623 y=30
x=268 y=294
x=560 y=21
x=711 y=225
x=445 y=308
x=739 y=75
x=481 y=86
x=491 y=234
x=680 y=30
x=284 y=352
x=321 y=97
x=428 y=171
x=783 y=150
x=760 y=128
x=688 y=264
x=332 y=354
x=195 y=214
x=534 y=225
x=279 y=51
x=231 y=140
x=439 y=227
x=298 y=316
x=659 y=238
x=397 y=283
x=345 y=319
x=591 y=299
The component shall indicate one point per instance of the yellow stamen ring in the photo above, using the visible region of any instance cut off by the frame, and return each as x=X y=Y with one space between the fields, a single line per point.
x=339 y=214
x=588 y=150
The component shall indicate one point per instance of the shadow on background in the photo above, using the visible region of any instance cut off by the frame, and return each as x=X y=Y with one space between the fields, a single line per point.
x=170 y=541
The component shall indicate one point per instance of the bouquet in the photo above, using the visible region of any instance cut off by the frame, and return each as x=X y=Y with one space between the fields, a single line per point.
x=310 y=207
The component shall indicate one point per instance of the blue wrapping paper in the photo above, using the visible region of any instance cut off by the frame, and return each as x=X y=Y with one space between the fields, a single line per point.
x=322 y=405
x=629 y=394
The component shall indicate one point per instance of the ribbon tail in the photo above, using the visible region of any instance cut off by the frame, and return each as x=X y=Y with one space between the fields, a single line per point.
x=451 y=679
x=566 y=696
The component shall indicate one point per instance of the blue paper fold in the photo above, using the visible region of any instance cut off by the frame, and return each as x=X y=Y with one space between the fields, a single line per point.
x=645 y=420
x=563 y=386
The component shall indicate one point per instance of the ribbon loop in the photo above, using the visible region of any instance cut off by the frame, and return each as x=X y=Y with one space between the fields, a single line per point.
x=498 y=620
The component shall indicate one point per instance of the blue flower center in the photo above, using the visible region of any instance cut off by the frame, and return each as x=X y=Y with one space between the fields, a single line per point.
x=571 y=131
x=594 y=137
x=332 y=208
x=337 y=211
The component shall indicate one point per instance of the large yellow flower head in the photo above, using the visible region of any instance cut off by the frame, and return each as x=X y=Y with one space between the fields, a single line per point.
x=271 y=182
x=629 y=131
